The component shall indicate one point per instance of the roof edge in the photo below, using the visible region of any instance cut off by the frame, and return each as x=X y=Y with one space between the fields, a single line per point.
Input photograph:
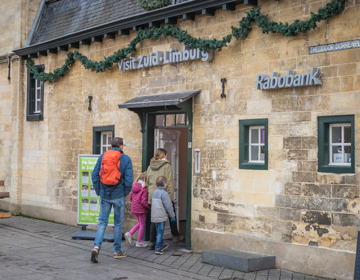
x=126 y=23
x=169 y=102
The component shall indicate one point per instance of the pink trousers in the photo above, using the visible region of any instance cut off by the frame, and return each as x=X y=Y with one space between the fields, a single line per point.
x=140 y=226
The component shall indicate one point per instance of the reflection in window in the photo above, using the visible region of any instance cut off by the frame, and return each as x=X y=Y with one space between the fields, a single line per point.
x=171 y=120
x=106 y=137
x=257 y=144
x=340 y=144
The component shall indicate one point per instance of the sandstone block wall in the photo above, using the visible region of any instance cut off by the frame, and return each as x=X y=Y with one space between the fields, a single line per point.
x=15 y=23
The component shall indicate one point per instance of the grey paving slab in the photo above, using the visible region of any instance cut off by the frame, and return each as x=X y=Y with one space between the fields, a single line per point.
x=32 y=276
x=227 y=273
x=45 y=248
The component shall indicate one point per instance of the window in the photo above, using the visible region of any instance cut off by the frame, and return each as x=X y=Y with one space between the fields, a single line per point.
x=257 y=144
x=35 y=97
x=253 y=150
x=102 y=137
x=336 y=144
x=171 y=120
x=106 y=137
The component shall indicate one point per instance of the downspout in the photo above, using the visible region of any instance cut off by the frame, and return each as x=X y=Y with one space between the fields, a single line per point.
x=35 y=23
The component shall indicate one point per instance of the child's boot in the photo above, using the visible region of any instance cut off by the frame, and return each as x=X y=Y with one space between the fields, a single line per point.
x=141 y=244
x=152 y=246
x=127 y=237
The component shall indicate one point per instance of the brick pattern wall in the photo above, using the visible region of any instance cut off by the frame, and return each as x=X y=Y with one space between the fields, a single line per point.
x=291 y=202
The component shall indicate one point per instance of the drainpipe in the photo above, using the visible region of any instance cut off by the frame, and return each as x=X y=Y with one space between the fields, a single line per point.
x=36 y=22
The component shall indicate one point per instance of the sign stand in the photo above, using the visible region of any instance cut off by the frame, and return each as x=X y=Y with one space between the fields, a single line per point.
x=84 y=234
x=88 y=201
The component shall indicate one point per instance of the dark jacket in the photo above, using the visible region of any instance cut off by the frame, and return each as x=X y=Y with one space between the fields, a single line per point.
x=159 y=168
x=127 y=178
x=139 y=199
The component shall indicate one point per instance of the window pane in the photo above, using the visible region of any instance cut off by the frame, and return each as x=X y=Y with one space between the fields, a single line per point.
x=254 y=135
x=262 y=153
x=104 y=136
x=262 y=136
x=336 y=134
x=180 y=119
x=337 y=154
x=254 y=153
x=109 y=137
x=170 y=120
x=347 y=134
x=38 y=94
x=38 y=105
x=347 y=155
x=160 y=119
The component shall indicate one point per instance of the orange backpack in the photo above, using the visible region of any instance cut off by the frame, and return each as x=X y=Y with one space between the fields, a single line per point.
x=110 y=169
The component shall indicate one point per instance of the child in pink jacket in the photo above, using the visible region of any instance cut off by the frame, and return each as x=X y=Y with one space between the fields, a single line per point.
x=139 y=207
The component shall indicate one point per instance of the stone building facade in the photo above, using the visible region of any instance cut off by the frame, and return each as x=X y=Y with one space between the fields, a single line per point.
x=305 y=217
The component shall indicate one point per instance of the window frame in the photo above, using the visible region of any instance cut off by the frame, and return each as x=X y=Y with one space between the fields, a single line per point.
x=97 y=137
x=342 y=144
x=33 y=113
x=108 y=145
x=244 y=144
x=40 y=87
x=259 y=144
x=325 y=163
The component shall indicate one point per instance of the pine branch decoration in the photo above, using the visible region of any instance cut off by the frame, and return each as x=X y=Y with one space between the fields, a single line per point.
x=331 y=9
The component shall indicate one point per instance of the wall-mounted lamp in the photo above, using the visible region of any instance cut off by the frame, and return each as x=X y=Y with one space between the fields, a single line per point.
x=223 y=80
x=90 y=98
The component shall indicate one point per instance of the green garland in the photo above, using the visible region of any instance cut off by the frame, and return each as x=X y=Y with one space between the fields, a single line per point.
x=331 y=9
x=150 y=5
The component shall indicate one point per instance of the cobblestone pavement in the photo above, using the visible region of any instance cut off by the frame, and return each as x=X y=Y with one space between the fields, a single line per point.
x=35 y=249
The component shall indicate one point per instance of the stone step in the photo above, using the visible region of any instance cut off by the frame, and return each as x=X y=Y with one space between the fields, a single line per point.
x=239 y=260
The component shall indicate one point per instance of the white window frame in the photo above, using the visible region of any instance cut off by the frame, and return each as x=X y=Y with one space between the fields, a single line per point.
x=259 y=144
x=105 y=145
x=342 y=144
x=38 y=85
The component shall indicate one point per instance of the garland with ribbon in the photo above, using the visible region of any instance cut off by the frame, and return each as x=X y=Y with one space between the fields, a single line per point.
x=150 y=5
x=331 y=9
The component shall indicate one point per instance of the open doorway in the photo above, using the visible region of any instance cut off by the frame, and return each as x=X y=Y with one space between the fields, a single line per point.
x=175 y=141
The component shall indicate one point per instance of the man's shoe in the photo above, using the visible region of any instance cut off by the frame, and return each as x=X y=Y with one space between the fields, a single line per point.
x=120 y=255
x=95 y=255
x=177 y=239
x=128 y=237
x=152 y=246
x=162 y=249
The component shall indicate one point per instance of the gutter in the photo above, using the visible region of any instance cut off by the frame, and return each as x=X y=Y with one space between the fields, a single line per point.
x=127 y=23
x=35 y=23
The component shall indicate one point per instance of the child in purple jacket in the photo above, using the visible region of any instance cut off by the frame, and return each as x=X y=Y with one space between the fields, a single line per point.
x=139 y=207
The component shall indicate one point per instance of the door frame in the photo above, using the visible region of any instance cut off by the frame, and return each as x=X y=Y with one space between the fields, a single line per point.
x=147 y=120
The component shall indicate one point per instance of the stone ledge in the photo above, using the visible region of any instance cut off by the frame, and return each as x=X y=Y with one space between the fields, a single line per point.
x=238 y=260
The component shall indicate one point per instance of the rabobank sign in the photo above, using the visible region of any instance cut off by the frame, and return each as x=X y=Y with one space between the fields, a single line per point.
x=263 y=82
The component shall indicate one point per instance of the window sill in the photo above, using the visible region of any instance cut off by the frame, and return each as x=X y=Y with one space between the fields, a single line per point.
x=255 y=166
x=336 y=169
x=35 y=117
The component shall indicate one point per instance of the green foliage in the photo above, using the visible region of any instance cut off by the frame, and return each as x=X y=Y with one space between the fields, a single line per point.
x=150 y=5
x=331 y=9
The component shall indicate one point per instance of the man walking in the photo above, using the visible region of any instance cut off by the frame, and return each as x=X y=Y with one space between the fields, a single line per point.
x=112 y=178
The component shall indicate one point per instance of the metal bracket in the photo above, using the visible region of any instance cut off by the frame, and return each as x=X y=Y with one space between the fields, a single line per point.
x=9 y=68
x=223 y=95
x=90 y=98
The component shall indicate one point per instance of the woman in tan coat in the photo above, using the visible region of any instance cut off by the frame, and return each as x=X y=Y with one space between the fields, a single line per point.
x=160 y=166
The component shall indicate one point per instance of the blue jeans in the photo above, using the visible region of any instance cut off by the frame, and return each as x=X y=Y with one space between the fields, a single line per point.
x=105 y=209
x=160 y=227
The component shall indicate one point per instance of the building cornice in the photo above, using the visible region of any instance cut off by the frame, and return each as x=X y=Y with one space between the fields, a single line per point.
x=158 y=16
